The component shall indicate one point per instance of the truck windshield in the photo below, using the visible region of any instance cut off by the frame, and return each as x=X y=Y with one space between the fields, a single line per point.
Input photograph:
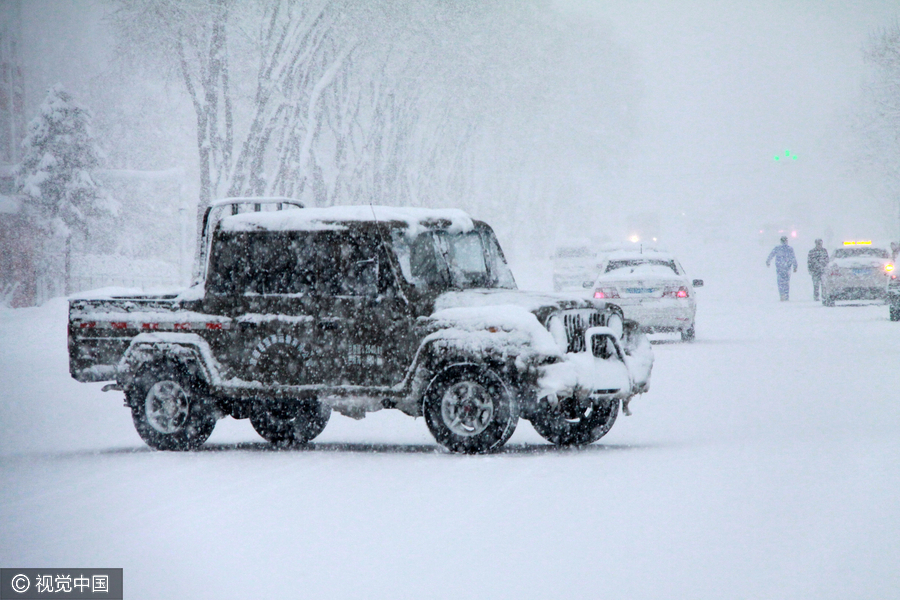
x=442 y=260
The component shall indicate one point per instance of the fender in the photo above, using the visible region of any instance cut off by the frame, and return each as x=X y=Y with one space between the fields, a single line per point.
x=189 y=349
x=431 y=359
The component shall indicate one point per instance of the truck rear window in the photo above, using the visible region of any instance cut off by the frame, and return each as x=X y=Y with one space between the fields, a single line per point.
x=295 y=263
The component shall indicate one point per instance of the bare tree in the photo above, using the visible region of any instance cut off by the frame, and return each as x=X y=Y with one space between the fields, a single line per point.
x=879 y=120
x=414 y=102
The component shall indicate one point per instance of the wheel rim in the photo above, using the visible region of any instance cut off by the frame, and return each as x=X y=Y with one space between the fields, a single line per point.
x=166 y=407
x=572 y=411
x=467 y=408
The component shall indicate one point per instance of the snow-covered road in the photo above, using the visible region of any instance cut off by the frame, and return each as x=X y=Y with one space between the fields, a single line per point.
x=764 y=463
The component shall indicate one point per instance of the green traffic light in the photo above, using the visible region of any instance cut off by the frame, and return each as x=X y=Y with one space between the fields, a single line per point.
x=787 y=154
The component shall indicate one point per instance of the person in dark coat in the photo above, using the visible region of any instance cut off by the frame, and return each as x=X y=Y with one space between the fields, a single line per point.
x=784 y=261
x=816 y=262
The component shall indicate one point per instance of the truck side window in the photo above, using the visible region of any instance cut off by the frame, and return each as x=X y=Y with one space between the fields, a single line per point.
x=359 y=268
x=417 y=259
x=263 y=264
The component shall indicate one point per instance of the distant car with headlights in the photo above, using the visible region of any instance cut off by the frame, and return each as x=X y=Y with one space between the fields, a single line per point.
x=857 y=271
x=894 y=296
x=652 y=289
x=574 y=267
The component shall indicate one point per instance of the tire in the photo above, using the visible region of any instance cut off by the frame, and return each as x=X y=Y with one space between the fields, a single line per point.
x=687 y=335
x=287 y=423
x=171 y=409
x=895 y=312
x=470 y=409
x=572 y=425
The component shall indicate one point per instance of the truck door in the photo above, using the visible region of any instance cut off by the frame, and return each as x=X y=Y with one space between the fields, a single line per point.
x=366 y=329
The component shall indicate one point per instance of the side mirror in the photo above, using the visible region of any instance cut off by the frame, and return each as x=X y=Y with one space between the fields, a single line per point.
x=697 y=283
x=587 y=284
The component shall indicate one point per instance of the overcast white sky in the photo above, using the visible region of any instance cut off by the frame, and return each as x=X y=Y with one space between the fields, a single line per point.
x=726 y=86
x=729 y=84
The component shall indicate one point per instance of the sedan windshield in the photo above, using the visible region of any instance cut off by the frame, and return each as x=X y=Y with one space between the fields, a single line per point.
x=633 y=263
x=848 y=252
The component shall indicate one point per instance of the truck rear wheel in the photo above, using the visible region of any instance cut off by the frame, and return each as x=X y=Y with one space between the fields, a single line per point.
x=895 y=312
x=470 y=409
x=171 y=409
x=287 y=423
x=574 y=424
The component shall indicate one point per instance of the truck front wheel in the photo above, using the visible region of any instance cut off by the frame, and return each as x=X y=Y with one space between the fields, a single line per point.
x=470 y=409
x=290 y=422
x=572 y=423
x=170 y=408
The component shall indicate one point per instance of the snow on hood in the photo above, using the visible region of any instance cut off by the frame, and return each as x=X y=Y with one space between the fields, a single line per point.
x=530 y=301
x=504 y=330
x=416 y=220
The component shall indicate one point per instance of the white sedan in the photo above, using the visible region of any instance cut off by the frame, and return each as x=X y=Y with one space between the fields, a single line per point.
x=652 y=289
x=858 y=270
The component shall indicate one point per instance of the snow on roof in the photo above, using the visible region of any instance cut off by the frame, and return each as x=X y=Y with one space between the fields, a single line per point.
x=648 y=253
x=415 y=219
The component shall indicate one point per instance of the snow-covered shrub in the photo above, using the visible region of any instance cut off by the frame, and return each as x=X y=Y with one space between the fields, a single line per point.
x=59 y=153
x=55 y=180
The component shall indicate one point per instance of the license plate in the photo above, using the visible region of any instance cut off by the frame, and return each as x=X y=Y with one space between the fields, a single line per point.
x=640 y=290
x=860 y=272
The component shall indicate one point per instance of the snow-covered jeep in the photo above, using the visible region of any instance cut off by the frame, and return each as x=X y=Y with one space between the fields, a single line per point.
x=298 y=313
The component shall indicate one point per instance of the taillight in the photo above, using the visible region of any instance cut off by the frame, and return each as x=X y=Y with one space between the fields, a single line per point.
x=680 y=292
x=835 y=271
x=606 y=292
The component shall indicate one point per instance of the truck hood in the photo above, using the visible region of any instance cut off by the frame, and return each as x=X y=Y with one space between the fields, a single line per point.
x=502 y=322
x=541 y=304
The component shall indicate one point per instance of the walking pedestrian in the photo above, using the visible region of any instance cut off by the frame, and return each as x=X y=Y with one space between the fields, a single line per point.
x=784 y=261
x=816 y=261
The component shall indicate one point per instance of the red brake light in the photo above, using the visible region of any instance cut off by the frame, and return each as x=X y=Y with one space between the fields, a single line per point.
x=606 y=292
x=599 y=295
x=680 y=292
